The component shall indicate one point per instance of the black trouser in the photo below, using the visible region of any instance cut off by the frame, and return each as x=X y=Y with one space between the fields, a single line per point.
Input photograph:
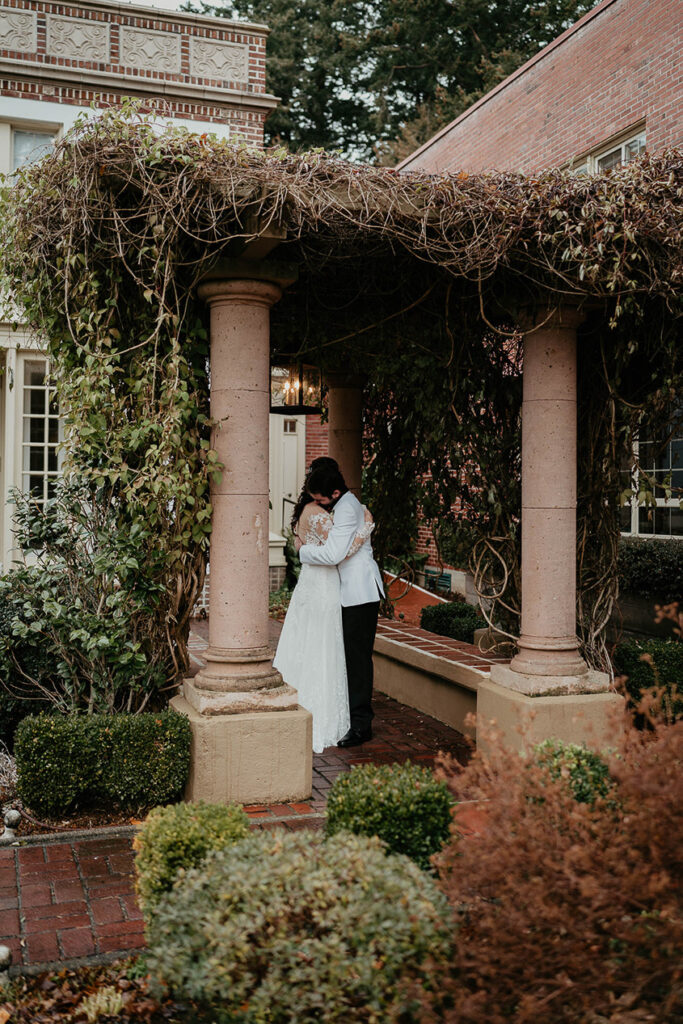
x=360 y=626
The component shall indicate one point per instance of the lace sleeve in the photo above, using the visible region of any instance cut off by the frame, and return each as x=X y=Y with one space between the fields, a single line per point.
x=315 y=525
x=363 y=534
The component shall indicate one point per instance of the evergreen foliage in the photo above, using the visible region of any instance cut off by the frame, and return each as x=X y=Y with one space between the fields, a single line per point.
x=651 y=567
x=77 y=620
x=401 y=804
x=134 y=761
x=585 y=772
x=176 y=838
x=652 y=669
x=283 y=927
x=455 y=619
x=354 y=75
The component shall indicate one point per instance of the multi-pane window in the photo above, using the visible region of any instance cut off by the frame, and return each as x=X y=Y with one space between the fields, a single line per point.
x=42 y=431
x=662 y=462
x=621 y=154
x=604 y=159
x=29 y=146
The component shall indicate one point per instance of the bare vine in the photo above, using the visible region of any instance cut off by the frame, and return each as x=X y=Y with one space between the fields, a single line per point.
x=416 y=280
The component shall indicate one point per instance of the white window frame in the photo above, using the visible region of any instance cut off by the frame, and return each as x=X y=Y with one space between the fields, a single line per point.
x=587 y=163
x=672 y=503
x=25 y=446
x=7 y=130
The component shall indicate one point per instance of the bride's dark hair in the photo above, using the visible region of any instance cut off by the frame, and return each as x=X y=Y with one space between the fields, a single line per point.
x=304 y=499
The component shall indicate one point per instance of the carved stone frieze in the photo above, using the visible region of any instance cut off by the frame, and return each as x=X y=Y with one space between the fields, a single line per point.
x=150 y=51
x=78 y=38
x=18 y=30
x=227 y=62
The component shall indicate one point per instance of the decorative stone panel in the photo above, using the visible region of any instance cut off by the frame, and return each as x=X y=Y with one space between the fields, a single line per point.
x=150 y=51
x=18 y=30
x=78 y=39
x=226 y=62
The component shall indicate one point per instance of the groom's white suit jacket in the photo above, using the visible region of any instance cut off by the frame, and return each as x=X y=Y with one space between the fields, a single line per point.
x=361 y=580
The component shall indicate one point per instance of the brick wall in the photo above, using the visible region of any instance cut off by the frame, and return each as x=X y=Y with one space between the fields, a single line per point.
x=618 y=67
x=181 y=65
x=316 y=439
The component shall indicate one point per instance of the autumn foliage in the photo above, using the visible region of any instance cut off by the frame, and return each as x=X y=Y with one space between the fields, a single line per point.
x=567 y=912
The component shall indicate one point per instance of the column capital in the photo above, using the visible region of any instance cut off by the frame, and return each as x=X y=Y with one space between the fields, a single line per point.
x=244 y=292
x=219 y=283
x=564 y=316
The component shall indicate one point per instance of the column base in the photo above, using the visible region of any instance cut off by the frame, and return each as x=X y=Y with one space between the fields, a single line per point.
x=593 y=719
x=235 y=671
x=237 y=702
x=251 y=758
x=550 y=685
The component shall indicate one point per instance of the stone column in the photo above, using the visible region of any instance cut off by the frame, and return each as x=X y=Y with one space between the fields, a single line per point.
x=548 y=663
x=548 y=644
x=345 y=433
x=239 y=683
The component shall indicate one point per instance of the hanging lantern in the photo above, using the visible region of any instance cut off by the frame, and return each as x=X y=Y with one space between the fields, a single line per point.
x=295 y=389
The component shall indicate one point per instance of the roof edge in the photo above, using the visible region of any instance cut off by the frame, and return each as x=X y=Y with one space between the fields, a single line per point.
x=404 y=164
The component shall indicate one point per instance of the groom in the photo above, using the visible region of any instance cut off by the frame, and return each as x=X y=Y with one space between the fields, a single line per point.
x=361 y=589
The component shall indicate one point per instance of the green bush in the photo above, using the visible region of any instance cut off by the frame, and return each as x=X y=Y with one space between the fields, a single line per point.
x=585 y=772
x=284 y=927
x=649 y=664
x=77 y=626
x=402 y=804
x=35 y=661
x=136 y=761
x=651 y=567
x=455 y=619
x=179 y=837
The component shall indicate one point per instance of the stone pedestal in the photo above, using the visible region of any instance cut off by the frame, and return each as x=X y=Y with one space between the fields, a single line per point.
x=251 y=758
x=593 y=719
x=252 y=742
x=345 y=426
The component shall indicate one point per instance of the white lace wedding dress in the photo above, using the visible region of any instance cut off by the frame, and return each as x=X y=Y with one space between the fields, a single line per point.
x=310 y=653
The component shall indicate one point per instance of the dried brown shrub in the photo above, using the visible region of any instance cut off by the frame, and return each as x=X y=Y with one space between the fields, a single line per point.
x=567 y=912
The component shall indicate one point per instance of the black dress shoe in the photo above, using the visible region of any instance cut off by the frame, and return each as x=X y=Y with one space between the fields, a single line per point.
x=355 y=737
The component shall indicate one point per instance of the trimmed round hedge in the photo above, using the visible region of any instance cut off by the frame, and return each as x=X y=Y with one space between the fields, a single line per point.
x=179 y=837
x=402 y=804
x=455 y=619
x=285 y=927
x=585 y=772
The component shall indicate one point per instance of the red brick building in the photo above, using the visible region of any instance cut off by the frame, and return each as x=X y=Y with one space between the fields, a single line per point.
x=596 y=95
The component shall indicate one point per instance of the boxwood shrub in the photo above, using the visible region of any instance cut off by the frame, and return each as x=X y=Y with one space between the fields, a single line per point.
x=651 y=567
x=585 y=771
x=650 y=663
x=287 y=927
x=133 y=761
x=455 y=619
x=179 y=837
x=403 y=804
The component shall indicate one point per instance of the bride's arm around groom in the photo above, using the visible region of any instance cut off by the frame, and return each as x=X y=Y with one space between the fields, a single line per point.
x=348 y=520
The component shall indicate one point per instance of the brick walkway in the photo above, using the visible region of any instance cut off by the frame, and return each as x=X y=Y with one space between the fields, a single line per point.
x=69 y=898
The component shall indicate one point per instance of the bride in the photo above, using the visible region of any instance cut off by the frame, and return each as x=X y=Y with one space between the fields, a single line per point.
x=310 y=653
